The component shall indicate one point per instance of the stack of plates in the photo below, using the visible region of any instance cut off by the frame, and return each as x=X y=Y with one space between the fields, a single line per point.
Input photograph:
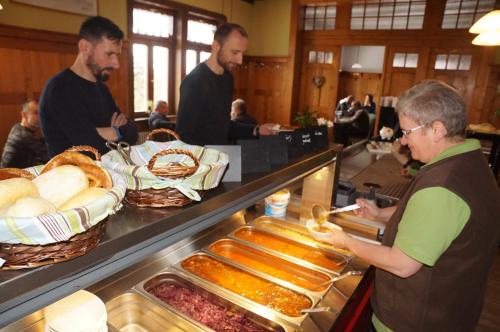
x=79 y=312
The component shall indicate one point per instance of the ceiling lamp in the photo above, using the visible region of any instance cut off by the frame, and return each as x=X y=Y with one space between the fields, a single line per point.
x=487 y=38
x=356 y=64
x=488 y=28
x=489 y=22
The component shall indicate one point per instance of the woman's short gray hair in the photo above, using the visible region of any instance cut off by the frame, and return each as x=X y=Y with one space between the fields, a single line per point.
x=431 y=101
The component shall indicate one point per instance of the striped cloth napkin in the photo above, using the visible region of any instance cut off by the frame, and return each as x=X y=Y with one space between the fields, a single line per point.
x=60 y=226
x=208 y=175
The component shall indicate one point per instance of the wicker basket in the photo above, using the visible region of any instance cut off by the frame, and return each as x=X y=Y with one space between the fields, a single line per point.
x=162 y=131
x=168 y=196
x=22 y=256
x=86 y=148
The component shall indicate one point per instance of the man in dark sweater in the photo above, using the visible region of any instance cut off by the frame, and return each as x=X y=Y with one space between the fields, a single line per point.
x=25 y=146
x=76 y=107
x=442 y=237
x=206 y=93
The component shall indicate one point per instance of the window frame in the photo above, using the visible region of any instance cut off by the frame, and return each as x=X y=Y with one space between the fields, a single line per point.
x=177 y=45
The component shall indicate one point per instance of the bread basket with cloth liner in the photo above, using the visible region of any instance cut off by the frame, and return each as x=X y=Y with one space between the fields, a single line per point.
x=165 y=174
x=28 y=242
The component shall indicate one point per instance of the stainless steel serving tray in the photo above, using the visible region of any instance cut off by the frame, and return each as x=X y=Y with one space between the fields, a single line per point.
x=261 y=309
x=329 y=256
x=296 y=232
x=175 y=277
x=134 y=312
x=272 y=267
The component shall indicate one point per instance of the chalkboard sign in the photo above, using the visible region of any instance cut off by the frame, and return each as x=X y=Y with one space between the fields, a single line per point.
x=306 y=135
x=320 y=137
x=276 y=145
x=254 y=157
x=293 y=143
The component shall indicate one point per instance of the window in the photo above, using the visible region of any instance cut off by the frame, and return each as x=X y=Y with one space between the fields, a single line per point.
x=320 y=17
x=453 y=62
x=387 y=14
x=162 y=52
x=200 y=35
x=320 y=57
x=462 y=14
x=152 y=45
x=405 y=60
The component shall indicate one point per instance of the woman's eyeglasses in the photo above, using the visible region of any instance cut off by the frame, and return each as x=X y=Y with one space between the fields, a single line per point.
x=409 y=131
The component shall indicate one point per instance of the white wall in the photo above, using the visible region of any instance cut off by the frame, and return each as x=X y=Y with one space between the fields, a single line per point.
x=371 y=58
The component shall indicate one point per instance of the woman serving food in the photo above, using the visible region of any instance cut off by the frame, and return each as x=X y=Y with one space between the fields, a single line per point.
x=441 y=238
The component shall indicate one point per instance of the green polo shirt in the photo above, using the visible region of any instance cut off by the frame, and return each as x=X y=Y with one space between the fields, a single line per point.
x=433 y=218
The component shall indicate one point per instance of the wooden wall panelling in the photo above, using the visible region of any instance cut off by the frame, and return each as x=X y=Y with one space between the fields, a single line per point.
x=29 y=57
x=492 y=97
x=359 y=85
x=262 y=82
x=463 y=80
x=323 y=99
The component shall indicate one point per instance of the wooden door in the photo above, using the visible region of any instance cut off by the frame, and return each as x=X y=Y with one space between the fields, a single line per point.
x=320 y=65
x=457 y=67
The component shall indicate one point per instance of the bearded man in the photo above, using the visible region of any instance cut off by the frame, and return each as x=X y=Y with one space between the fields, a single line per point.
x=206 y=94
x=76 y=107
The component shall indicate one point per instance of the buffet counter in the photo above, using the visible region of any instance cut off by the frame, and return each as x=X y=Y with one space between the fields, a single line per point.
x=147 y=248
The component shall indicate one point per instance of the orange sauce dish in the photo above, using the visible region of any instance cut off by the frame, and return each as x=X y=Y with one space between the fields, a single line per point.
x=257 y=289
x=271 y=265
x=313 y=255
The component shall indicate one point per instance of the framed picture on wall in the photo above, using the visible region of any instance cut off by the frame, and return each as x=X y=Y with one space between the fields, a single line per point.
x=82 y=7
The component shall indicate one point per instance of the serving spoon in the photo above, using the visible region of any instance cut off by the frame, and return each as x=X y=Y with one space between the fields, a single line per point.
x=320 y=215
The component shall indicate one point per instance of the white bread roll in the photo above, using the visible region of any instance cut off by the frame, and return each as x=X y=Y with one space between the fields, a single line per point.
x=13 y=189
x=30 y=207
x=61 y=183
x=84 y=197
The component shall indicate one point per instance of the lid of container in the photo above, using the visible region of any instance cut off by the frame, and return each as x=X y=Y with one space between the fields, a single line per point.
x=79 y=312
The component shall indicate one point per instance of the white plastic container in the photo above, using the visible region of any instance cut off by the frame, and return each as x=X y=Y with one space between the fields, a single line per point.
x=277 y=203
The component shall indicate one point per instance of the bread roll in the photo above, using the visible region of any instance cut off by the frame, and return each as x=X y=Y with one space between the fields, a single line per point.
x=84 y=197
x=61 y=183
x=30 y=207
x=13 y=189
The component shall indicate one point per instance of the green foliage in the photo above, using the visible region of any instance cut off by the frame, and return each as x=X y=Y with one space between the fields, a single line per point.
x=495 y=115
x=306 y=118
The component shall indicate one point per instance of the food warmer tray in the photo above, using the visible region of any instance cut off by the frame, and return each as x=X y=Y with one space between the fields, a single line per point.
x=263 y=316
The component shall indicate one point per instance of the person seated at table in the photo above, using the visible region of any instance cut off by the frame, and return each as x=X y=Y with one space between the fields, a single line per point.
x=25 y=146
x=343 y=105
x=369 y=105
x=239 y=112
x=158 y=117
x=353 y=123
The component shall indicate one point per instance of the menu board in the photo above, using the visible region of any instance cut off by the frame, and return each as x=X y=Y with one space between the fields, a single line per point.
x=83 y=7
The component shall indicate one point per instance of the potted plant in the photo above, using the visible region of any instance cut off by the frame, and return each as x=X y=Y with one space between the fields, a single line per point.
x=306 y=120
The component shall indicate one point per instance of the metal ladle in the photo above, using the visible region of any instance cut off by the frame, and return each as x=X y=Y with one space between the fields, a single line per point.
x=342 y=276
x=318 y=309
x=320 y=214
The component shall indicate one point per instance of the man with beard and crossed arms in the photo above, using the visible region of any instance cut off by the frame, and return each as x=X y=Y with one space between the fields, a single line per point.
x=206 y=94
x=76 y=107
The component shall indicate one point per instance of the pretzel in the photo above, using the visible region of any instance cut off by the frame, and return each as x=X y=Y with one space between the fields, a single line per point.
x=68 y=158
x=98 y=177
x=9 y=173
